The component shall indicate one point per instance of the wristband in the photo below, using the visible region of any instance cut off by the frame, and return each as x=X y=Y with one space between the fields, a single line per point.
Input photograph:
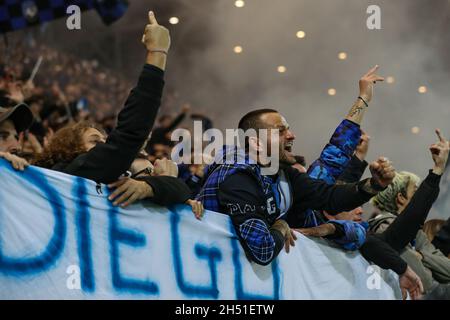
x=359 y=97
x=158 y=50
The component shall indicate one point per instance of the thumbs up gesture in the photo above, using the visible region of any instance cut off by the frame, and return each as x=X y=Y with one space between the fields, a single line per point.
x=156 y=38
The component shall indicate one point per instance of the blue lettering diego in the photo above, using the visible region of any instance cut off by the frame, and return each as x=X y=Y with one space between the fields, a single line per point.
x=55 y=247
x=213 y=255
x=238 y=283
x=119 y=235
x=82 y=218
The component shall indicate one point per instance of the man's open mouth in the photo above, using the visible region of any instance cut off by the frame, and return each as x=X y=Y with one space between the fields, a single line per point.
x=288 y=147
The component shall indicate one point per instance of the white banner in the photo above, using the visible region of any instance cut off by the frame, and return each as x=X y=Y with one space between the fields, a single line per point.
x=61 y=239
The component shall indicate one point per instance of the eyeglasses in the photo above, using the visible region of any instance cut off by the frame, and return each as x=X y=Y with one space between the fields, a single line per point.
x=147 y=171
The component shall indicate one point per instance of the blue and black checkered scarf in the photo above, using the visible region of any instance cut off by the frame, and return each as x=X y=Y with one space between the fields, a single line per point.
x=231 y=160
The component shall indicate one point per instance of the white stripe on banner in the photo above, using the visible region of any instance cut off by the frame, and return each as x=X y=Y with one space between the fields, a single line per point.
x=59 y=239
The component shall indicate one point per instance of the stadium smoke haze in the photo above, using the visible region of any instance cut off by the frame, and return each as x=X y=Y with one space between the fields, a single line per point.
x=412 y=47
x=408 y=47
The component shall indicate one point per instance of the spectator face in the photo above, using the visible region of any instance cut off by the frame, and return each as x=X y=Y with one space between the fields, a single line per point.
x=285 y=137
x=354 y=215
x=91 y=137
x=9 y=139
x=161 y=151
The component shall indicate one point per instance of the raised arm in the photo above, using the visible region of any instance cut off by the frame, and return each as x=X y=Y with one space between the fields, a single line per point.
x=366 y=84
x=405 y=227
x=337 y=154
x=135 y=120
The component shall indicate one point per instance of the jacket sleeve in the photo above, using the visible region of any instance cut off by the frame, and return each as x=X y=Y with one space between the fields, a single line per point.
x=168 y=190
x=411 y=258
x=350 y=235
x=433 y=258
x=337 y=153
x=442 y=239
x=240 y=197
x=354 y=170
x=380 y=227
x=107 y=161
x=379 y=252
x=318 y=195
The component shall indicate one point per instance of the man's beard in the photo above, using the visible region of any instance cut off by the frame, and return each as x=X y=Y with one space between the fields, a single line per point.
x=286 y=159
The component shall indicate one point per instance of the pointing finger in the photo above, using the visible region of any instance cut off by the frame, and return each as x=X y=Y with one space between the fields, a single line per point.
x=439 y=134
x=372 y=70
x=152 y=18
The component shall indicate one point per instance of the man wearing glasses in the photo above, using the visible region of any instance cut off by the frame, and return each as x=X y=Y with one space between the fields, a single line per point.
x=13 y=121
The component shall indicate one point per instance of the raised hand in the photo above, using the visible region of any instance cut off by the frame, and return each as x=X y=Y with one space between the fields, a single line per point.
x=156 y=38
x=382 y=172
x=33 y=143
x=439 y=153
x=165 y=167
x=186 y=108
x=366 y=84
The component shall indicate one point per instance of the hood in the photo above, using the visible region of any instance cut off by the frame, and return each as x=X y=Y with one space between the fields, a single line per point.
x=384 y=217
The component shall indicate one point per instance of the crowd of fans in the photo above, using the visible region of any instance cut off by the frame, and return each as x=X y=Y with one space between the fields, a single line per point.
x=64 y=117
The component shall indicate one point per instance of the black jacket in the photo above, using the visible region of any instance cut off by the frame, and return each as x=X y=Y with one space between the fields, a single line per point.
x=168 y=190
x=107 y=161
x=354 y=171
x=241 y=196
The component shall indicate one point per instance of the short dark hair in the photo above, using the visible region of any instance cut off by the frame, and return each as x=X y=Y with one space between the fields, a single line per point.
x=252 y=120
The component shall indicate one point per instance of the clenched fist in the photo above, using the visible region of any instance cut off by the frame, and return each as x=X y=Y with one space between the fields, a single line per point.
x=156 y=38
x=382 y=172
x=165 y=167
